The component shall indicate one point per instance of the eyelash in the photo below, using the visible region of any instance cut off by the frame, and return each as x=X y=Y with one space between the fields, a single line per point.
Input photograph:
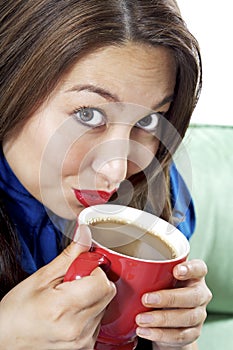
x=86 y=108
x=93 y=110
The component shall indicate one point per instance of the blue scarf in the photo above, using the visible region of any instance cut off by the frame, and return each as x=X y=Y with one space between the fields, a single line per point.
x=39 y=238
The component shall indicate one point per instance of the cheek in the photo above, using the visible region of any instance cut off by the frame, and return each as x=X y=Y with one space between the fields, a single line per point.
x=71 y=164
x=141 y=155
x=75 y=160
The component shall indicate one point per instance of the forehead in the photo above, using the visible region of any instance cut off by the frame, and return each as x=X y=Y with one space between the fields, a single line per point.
x=129 y=71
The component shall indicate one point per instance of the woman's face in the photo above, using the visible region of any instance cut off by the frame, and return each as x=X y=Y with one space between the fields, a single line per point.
x=96 y=129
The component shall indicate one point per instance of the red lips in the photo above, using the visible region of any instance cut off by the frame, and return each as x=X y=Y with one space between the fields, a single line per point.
x=90 y=197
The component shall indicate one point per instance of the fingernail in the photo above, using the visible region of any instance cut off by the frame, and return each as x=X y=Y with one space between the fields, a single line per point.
x=144 y=332
x=182 y=270
x=152 y=298
x=145 y=318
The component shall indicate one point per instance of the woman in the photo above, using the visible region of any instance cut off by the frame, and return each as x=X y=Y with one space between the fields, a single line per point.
x=95 y=98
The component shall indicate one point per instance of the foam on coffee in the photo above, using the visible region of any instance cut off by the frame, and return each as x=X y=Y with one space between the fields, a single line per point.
x=126 y=238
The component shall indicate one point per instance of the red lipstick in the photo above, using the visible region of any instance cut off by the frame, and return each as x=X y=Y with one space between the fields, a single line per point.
x=91 y=197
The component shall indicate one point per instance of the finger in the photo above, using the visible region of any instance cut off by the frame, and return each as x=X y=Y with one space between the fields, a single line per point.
x=193 y=269
x=175 y=318
x=58 y=267
x=170 y=337
x=72 y=336
x=92 y=328
x=188 y=297
x=97 y=287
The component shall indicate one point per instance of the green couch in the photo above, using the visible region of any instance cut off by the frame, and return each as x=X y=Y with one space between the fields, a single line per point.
x=210 y=151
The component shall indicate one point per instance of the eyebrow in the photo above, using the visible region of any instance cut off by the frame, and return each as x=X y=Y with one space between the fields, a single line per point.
x=113 y=97
x=166 y=100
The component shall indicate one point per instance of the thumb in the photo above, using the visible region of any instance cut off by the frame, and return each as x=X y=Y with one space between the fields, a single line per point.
x=82 y=243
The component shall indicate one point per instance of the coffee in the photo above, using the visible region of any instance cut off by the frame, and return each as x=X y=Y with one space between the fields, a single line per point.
x=131 y=240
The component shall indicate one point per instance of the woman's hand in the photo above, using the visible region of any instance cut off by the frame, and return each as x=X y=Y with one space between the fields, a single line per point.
x=179 y=313
x=44 y=313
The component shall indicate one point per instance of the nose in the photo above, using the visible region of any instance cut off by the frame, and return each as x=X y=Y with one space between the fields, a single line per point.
x=111 y=159
x=112 y=172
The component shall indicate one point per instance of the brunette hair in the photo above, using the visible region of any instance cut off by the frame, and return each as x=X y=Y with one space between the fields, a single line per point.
x=41 y=40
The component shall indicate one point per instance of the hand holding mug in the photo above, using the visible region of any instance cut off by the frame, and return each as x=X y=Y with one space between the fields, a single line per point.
x=44 y=313
x=178 y=314
x=138 y=251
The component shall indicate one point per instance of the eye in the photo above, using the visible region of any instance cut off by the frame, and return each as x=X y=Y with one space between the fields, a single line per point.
x=149 y=123
x=91 y=117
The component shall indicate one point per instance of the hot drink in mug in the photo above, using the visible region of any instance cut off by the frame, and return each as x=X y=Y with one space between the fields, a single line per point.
x=138 y=252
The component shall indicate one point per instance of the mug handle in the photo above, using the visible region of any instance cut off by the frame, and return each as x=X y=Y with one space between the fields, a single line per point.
x=84 y=264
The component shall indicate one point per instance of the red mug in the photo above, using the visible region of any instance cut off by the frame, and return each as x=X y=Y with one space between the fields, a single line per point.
x=132 y=275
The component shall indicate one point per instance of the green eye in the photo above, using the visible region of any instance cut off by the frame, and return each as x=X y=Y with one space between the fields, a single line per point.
x=149 y=123
x=89 y=116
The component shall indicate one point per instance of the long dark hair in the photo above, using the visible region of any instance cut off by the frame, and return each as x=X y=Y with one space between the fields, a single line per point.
x=41 y=40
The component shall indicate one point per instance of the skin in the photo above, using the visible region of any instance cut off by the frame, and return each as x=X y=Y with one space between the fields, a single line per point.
x=59 y=153
x=43 y=313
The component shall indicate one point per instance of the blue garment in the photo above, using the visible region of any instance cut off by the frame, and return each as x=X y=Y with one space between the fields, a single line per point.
x=40 y=239
x=182 y=204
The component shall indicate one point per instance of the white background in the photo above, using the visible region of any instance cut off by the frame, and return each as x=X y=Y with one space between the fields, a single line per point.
x=211 y=22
